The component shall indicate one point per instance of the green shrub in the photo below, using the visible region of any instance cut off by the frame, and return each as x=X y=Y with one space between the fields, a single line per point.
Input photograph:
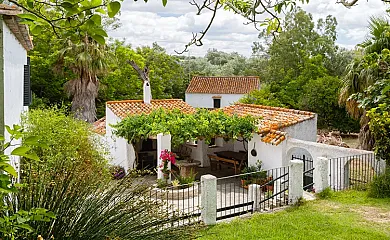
x=73 y=180
x=380 y=186
x=326 y=193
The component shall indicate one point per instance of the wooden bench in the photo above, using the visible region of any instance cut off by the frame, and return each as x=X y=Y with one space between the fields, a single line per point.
x=238 y=164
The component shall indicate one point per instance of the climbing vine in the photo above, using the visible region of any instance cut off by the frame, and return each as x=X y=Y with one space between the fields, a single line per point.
x=203 y=124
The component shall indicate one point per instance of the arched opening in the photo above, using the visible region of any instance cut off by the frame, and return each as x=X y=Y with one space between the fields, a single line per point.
x=297 y=153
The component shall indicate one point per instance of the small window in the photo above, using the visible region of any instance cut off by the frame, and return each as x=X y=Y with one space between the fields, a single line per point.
x=217 y=102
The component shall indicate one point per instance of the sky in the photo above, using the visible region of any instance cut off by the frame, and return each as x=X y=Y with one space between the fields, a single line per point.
x=172 y=26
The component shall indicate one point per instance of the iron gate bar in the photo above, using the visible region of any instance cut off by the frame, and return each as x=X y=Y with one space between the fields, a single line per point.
x=308 y=170
x=235 y=206
x=276 y=194
x=235 y=214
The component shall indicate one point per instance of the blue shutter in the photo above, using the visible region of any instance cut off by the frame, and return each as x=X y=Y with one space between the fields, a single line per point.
x=27 y=98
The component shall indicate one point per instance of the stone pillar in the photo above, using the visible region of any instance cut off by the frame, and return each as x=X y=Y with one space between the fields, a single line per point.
x=202 y=154
x=321 y=174
x=163 y=142
x=254 y=194
x=295 y=188
x=209 y=199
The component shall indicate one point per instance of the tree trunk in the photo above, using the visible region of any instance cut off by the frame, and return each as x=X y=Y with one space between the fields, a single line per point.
x=366 y=140
x=84 y=92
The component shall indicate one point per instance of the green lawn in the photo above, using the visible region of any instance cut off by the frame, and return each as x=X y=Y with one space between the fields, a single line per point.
x=346 y=215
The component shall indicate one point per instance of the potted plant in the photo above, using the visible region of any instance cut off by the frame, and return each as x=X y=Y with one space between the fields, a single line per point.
x=253 y=174
x=246 y=177
x=184 y=181
x=166 y=157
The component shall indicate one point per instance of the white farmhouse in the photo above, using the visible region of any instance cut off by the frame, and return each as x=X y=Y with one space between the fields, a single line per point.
x=219 y=92
x=124 y=153
x=15 y=42
x=281 y=135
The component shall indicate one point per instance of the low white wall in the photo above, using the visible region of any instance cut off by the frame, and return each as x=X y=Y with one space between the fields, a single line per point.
x=338 y=170
x=201 y=100
x=322 y=150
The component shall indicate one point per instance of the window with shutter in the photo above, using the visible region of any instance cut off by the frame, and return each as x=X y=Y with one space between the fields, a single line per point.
x=27 y=96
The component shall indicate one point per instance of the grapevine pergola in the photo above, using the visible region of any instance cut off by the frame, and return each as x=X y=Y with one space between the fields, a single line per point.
x=203 y=124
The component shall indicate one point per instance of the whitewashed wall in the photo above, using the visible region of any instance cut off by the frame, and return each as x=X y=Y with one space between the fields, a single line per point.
x=122 y=153
x=201 y=100
x=306 y=130
x=15 y=57
x=317 y=150
x=322 y=150
x=272 y=156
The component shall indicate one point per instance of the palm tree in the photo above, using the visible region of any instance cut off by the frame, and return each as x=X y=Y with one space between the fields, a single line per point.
x=378 y=38
x=359 y=76
x=86 y=59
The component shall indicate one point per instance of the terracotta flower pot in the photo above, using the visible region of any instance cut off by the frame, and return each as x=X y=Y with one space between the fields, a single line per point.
x=244 y=183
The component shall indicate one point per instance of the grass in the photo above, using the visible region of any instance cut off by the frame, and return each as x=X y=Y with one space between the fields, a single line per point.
x=345 y=215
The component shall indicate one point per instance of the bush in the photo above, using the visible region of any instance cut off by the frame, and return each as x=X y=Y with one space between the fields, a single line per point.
x=74 y=181
x=380 y=186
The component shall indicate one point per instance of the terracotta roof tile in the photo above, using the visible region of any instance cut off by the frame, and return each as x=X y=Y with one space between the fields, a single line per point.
x=272 y=119
x=20 y=31
x=223 y=85
x=11 y=9
x=125 y=108
x=100 y=126
x=274 y=137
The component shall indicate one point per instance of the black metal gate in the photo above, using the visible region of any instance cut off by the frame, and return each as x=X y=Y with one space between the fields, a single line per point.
x=354 y=172
x=232 y=196
x=307 y=171
x=274 y=193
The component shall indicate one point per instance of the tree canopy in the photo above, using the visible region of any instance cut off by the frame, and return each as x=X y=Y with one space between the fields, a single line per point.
x=302 y=69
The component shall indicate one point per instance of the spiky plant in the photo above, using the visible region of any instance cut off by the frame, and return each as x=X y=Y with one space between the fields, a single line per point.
x=378 y=37
x=73 y=181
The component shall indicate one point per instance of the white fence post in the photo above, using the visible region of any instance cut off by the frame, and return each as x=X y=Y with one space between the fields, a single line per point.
x=295 y=190
x=163 y=142
x=208 y=199
x=321 y=174
x=254 y=194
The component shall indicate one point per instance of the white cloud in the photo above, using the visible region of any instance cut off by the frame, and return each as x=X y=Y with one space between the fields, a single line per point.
x=172 y=26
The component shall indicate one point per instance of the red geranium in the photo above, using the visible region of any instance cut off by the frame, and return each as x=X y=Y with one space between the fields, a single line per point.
x=166 y=156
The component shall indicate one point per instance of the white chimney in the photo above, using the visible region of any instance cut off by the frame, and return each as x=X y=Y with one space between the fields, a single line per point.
x=147 y=92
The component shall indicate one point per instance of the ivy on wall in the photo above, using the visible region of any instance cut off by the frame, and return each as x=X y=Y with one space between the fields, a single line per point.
x=203 y=124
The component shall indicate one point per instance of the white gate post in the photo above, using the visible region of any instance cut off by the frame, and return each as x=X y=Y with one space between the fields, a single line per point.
x=320 y=174
x=163 y=142
x=295 y=188
x=254 y=194
x=208 y=185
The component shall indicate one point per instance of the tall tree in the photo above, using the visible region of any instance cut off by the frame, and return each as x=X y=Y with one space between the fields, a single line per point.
x=86 y=59
x=301 y=59
x=362 y=72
